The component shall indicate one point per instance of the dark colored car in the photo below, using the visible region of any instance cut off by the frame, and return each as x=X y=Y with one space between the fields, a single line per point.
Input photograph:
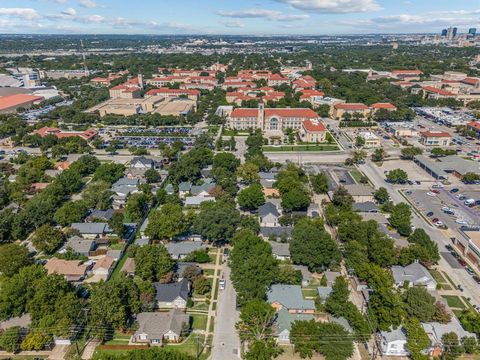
x=430 y=214
x=454 y=190
x=449 y=247
x=462 y=262
x=436 y=191
x=434 y=220
x=476 y=278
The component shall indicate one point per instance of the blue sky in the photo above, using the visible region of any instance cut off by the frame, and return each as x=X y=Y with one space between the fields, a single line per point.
x=256 y=17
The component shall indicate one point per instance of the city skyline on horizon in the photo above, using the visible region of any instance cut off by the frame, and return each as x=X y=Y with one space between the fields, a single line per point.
x=252 y=17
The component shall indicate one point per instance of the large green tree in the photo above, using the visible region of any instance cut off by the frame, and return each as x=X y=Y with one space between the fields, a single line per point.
x=251 y=198
x=153 y=262
x=312 y=246
x=13 y=257
x=217 y=221
x=167 y=222
x=48 y=238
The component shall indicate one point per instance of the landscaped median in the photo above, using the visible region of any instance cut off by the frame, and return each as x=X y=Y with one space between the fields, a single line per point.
x=300 y=148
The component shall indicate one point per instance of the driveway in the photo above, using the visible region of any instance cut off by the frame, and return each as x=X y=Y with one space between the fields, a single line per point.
x=226 y=343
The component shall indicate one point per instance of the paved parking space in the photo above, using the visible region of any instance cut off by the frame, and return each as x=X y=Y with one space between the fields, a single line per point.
x=414 y=172
x=451 y=260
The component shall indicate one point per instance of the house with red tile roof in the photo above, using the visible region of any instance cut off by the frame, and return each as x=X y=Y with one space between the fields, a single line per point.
x=435 y=138
x=474 y=126
x=304 y=82
x=44 y=131
x=339 y=110
x=192 y=94
x=105 y=80
x=432 y=92
x=277 y=80
x=407 y=75
x=270 y=119
x=313 y=131
x=386 y=106
x=10 y=103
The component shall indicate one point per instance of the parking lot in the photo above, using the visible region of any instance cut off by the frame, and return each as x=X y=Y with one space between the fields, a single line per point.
x=433 y=207
x=415 y=173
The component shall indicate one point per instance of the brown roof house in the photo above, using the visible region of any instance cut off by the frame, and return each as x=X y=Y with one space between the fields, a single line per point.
x=72 y=270
x=154 y=328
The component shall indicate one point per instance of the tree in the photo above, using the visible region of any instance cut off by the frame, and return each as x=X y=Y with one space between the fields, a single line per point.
x=312 y=246
x=135 y=206
x=153 y=262
x=256 y=320
x=470 y=320
x=408 y=153
x=199 y=256
x=288 y=275
x=420 y=304
x=10 y=339
x=378 y=155
x=262 y=350
x=295 y=199
x=470 y=178
x=248 y=172
x=152 y=176
x=397 y=176
x=217 y=221
x=400 y=218
x=13 y=257
x=470 y=344
x=48 y=239
x=253 y=266
x=36 y=340
x=201 y=285
x=452 y=348
x=421 y=238
x=381 y=195
x=417 y=339
x=109 y=172
x=225 y=160
x=359 y=156
x=70 y=212
x=319 y=183
x=442 y=315
x=359 y=141
x=251 y=198
x=329 y=339
x=342 y=198
x=116 y=223
x=167 y=222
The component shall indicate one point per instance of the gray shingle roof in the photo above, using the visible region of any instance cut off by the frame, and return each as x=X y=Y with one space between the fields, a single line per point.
x=414 y=273
x=267 y=175
x=79 y=245
x=126 y=182
x=280 y=249
x=393 y=335
x=184 y=186
x=91 y=228
x=157 y=324
x=284 y=320
x=169 y=292
x=290 y=296
x=268 y=208
x=324 y=291
x=100 y=214
x=178 y=248
x=368 y=206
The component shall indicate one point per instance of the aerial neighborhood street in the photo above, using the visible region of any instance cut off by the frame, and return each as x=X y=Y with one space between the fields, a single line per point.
x=222 y=197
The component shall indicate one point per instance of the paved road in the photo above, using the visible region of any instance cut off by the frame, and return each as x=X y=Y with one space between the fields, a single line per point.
x=226 y=343
x=459 y=276
x=306 y=157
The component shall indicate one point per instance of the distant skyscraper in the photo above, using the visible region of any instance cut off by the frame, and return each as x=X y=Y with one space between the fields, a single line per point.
x=472 y=32
x=450 y=33
x=444 y=32
x=455 y=32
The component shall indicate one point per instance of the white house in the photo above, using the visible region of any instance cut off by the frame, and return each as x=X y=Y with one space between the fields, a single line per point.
x=392 y=343
x=415 y=274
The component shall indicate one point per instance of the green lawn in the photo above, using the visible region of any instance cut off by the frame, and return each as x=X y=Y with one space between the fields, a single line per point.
x=301 y=148
x=311 y=293
x=437 y=275
x=208 y=272
x=199 y=321
x=229 y=132
x=454 y=301
x=356 y=174
x=118 y=267
x=192 y=346
x=200 y=306
x=118 y=246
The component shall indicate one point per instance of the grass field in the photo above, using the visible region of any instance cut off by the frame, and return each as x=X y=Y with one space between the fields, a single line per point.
x=310 y=293
x=192 y=346
x=300 y=148
x=199 y=321
x=437 y=275
x=454 y=301
x=118 y=267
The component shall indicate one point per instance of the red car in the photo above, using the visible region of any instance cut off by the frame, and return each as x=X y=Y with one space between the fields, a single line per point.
x=435 y=220
x=436 y=191
x=461 y=262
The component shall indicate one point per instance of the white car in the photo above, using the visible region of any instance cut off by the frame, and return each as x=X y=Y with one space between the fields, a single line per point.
x=222 y=284
x=461 y=222
x=439 y=223
x=431 y=194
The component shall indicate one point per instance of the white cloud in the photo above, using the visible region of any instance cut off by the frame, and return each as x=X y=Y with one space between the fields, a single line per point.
x=262 y=13
x=334 y=6
x=232 y=24
x=23 y=13
x=70 y=12
x=88 y=3
x=93 y=19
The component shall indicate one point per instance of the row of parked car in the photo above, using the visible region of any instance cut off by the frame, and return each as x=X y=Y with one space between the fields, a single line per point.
x=462 y=263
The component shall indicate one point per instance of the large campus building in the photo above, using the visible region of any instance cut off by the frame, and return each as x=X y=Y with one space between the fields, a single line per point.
x=270 y=119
